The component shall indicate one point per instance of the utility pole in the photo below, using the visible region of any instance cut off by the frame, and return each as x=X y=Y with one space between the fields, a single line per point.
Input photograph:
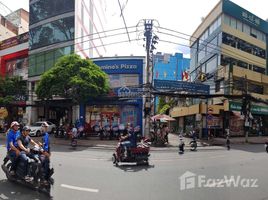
x=148 y=27
x=150 y=40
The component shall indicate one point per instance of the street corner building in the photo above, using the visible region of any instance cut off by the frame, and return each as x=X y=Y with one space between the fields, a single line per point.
x=228 y=53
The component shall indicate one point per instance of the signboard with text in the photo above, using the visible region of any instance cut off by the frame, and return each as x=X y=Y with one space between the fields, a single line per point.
x=181 y=86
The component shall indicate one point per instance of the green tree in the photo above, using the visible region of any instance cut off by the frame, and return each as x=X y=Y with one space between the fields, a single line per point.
x=73 y=78
x=11 y=90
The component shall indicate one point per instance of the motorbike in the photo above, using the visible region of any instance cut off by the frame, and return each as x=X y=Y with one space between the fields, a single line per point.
x=60 y=132
x=106 y=132
x=139 y=155
x=266 y=146
x=97 y=130
x=35 y=170
x=193 y=145
x=74 y=142
x=181 y=146
x=82 y=133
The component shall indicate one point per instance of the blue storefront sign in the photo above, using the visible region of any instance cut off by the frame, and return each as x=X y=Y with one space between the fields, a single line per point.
x=196 y=88
x=124 y=103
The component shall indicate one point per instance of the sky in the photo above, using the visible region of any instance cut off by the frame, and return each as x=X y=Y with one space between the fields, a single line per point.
x=180 y=15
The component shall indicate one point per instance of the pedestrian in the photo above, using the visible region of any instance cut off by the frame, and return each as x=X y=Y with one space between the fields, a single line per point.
x=227 y=139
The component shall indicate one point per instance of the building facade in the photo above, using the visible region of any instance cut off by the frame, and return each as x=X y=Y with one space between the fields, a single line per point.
x=169 y=67
x=229 y=53
x=14 y=58
x=124 y=103
x=58 y=28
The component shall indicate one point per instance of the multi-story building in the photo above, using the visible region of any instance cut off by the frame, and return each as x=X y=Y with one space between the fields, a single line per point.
x=229 y=53
x=169 y=67
x=14 y=56
x=57 y=28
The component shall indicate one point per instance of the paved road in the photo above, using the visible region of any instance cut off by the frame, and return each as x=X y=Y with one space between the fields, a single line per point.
x=87 y=173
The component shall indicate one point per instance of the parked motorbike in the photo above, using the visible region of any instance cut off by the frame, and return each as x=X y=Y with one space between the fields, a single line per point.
x=106 y=132
x=60 y=132
x=35 y=170
x=266 y=146
x=81 y=132
x=193 y=145
x=74 y=142
x=97 y=130
x=139 y=155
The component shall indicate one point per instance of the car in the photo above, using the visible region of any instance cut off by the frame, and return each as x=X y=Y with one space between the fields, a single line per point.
x=36 y=128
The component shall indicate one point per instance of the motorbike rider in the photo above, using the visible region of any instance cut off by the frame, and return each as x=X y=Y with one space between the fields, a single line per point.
x=12 y=145
x=45 y=153
x=23 y=141
x=129 y=140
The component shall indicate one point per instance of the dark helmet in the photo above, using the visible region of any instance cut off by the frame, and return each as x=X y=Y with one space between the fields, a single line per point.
x=26 y=128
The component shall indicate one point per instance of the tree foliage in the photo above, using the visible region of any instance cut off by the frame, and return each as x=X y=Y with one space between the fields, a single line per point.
x=10 y=88
x=73 y=78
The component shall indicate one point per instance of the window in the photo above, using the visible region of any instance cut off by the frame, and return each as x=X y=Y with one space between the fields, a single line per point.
x=217 y=86
x=246 y=29
x=211 y=65
x=227 y=20
x=44 y=9
x=57 y=31
x=253 y=32
x=239 y=26
x=233 y=23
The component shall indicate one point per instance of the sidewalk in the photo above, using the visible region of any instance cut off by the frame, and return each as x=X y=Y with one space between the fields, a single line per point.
x=95 y=142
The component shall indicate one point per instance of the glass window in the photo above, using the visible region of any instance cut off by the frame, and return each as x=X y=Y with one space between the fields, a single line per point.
x=40 y=63
x=253 y=32
x=239 y=26
x=49 y=60
x=211 y=65
x=219 y=21
x=246 y=29
x=233 y=23
x=123 y=80
x=44 y=9
x=51 y=33
x=227 y=20
x=201 y=55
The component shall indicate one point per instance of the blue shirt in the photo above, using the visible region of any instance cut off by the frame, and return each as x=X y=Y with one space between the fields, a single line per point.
x=46 y=142
x=12 y=137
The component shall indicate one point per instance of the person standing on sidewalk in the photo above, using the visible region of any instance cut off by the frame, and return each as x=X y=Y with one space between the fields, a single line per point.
x=228 y=138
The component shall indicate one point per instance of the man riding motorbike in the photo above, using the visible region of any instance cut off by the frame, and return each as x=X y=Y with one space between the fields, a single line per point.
x=12 y=145
x=129 y=140
x=23 y=141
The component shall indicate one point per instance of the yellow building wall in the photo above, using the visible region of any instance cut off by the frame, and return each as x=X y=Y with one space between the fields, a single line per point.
x=242 y=55
x=243 y=36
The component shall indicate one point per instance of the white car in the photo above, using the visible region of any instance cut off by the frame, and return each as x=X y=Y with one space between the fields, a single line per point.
x=36 y=128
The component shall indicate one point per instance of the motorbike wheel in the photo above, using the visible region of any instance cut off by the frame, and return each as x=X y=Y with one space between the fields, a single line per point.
x=114 y=159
